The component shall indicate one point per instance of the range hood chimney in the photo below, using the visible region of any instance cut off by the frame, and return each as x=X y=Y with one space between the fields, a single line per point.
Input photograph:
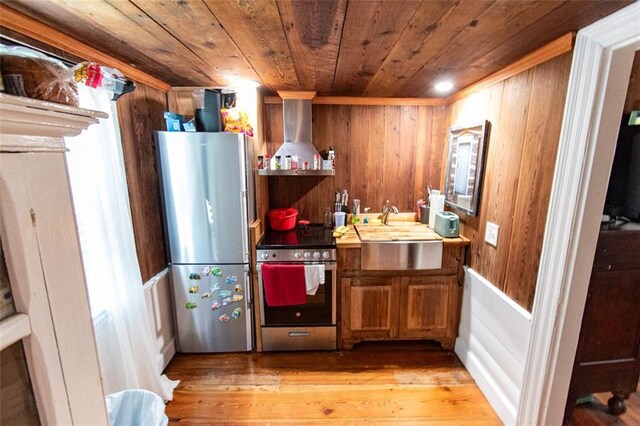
x=296 y=113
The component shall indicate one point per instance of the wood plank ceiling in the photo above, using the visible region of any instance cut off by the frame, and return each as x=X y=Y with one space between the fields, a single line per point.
x=341 y=47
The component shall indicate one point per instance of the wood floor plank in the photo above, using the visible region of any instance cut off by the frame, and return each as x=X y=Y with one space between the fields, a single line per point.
x=316 y=402
x=375 y=383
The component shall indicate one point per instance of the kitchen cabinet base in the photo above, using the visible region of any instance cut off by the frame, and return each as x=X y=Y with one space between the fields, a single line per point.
x=348 y=344
x=400 y=305
x=448 y=344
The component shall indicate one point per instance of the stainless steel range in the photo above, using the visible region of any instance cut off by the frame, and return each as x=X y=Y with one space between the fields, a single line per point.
x=307 y=326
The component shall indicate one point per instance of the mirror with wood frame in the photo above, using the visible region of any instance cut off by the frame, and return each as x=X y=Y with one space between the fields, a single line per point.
x=464 y=167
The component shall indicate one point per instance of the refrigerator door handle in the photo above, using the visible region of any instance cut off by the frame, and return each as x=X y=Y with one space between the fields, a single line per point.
x=248 y=291
x=246 y=225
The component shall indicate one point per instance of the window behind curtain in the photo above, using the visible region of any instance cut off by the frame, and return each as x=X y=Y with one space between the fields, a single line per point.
x=87 y=165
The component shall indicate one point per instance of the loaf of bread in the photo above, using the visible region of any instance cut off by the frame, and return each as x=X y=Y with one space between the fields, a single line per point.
x=38 y=78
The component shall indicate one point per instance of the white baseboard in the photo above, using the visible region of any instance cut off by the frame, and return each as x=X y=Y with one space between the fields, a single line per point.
x=158 y=298
x=155 y=279
x=167 y=354
x=492 y=343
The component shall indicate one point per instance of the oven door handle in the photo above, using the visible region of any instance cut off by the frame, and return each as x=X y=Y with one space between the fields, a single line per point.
x=329 y=266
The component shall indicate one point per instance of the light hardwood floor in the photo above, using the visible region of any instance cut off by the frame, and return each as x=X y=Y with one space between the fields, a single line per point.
x=376 y=383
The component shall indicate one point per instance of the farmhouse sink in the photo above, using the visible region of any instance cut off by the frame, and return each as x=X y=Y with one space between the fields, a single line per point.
x=401 y=255
x=397 y=231
x=400 y=246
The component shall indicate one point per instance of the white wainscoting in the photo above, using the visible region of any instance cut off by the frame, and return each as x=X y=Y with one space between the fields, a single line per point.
x=157 y=292
x=492 y=343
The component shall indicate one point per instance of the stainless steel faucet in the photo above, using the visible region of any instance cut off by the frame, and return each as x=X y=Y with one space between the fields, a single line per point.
x=386 y=209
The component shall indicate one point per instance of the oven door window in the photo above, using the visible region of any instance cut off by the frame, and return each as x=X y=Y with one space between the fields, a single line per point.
x=317 y=310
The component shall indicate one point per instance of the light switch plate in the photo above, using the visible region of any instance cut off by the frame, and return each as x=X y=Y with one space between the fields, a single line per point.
x=491 y=234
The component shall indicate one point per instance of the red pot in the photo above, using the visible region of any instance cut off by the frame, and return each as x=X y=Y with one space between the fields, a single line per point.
x=282 y=219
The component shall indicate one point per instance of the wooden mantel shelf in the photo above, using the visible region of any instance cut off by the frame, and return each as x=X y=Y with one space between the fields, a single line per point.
x=34 y=125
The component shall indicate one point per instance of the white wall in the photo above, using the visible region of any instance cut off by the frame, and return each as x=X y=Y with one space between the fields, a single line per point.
x=492 y=343
x=157 y=293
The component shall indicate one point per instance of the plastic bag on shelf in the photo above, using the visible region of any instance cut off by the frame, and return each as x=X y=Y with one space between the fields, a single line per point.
x=29 y=73
x=236 y=121
x=100 y=77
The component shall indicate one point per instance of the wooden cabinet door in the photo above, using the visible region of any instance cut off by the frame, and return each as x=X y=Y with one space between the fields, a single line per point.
x=373 y=310
x=608 y=353
x=427 y=305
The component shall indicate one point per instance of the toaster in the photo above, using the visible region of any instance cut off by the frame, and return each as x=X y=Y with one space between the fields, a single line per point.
x=447 y=224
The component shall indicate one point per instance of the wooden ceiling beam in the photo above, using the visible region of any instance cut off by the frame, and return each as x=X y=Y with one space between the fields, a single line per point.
x=36 y=30
x=552 y=50
x=370 y=101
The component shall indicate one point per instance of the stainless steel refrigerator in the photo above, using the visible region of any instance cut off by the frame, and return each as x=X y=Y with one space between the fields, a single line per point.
x=208 y=197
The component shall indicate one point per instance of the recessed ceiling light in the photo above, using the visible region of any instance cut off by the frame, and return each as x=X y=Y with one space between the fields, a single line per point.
x=236 y=81
x=444 y=86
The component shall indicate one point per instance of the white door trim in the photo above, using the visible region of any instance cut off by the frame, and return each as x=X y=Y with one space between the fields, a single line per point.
x=600 y=71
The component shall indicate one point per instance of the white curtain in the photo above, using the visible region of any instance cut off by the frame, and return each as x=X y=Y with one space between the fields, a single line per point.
x=101 y=201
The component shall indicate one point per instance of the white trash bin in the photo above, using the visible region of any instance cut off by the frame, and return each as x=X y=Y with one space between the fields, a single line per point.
x=136 y=407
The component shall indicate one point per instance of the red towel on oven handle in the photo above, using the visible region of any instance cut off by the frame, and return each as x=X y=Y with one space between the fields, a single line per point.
x=284 y=285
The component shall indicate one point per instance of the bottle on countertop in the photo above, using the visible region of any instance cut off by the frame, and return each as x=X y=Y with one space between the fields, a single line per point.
x=287 y=163
x=278 y=163
x=328 y=218
x=419 y=204
x=260 y=162
x=294 y=162
x=331 y=156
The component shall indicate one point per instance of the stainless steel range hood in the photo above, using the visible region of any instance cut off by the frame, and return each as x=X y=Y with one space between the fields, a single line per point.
x=296 y=108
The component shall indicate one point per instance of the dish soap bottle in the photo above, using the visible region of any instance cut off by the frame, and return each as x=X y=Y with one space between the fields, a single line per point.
x=328 y=218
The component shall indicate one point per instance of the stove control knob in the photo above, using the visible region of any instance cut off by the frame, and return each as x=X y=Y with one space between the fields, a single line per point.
x=316 y=255
x=264 y=255
x=297 y=255
x=307 y=255
x=325 y=255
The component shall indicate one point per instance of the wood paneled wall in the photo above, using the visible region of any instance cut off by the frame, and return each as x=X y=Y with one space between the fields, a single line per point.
x=140 y=114
x=525 y=112
x=632 y=101
x=382 y=152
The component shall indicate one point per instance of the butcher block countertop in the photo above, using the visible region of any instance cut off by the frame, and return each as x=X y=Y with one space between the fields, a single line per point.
x=349 y=240
x=394 y=231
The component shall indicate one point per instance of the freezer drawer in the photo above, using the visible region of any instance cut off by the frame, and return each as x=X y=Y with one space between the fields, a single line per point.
x=213 y=308
x=298 y=338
